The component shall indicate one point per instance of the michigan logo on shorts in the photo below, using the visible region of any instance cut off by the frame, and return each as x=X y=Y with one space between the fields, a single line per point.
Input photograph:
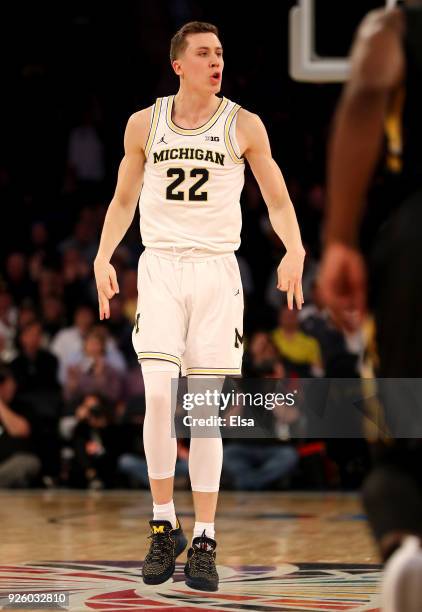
x=237 y=338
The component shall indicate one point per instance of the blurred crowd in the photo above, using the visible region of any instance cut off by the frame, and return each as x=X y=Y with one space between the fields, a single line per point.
x=71 y=390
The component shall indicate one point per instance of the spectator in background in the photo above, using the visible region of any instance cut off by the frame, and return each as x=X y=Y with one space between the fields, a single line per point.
x=26 y=314
x=97 y=445
x=263 y=463
x=70 y=340
x=53 y=316
x=17 y=279
x=74 y=412
x=41 y=250
x=93 y=216
x=112 y=354
x=77 y=278
x=68 y=344
x=18 y=465
x=301 y=353
x=85 y=157
x=253 y=465
x=132 y=463
x=341 y=338
x=93 y=373
x=35 y=368
x=50 y=283
x=35 y=371
x=83 y=239
x=8 y=324
x=39 y=237
x=261 y=354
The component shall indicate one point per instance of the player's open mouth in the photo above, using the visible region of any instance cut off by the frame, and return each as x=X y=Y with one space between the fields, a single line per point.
x=216 y=76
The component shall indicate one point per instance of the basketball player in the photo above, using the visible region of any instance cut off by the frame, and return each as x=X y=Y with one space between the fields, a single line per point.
x=187 y=153
x=384 y=91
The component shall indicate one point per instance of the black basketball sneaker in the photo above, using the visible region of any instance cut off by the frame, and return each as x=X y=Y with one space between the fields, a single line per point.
x=166 y=544
x=200 y=570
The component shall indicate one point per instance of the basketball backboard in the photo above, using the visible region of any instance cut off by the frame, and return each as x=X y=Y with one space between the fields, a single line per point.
x=304 y=63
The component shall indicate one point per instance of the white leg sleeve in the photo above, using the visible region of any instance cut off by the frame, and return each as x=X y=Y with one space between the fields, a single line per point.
x=205 y=463
x=206 y=453
x=160 y=447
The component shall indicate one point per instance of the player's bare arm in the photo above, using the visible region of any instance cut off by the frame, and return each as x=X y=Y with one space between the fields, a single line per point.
x=377 y=69
x=122 y=207
x=254 y=143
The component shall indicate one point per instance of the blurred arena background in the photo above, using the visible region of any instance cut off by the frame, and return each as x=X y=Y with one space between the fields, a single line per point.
x=72 y=75
x=71 y=390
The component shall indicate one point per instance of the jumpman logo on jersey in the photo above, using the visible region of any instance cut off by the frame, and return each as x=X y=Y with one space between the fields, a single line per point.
x=162 y=140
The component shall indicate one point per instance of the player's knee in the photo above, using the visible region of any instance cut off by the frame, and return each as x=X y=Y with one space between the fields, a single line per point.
x=158 y=389
x=157 y=399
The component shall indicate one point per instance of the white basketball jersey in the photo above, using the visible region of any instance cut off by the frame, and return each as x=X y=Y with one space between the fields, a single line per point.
x=192 y=182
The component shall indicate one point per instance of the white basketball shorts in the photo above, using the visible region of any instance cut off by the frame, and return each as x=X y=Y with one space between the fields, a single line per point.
x=190 y=312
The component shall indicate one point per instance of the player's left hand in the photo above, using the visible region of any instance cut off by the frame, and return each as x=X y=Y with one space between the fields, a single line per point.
x=343 y=280
x=289 y=274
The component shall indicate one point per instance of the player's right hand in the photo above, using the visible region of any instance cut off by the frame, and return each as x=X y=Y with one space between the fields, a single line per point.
x=107 y=286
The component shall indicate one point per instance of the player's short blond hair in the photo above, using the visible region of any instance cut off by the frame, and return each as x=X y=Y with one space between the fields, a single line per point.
x=179 y=43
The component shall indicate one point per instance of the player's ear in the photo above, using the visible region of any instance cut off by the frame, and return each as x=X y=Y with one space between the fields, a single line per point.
x=177 y=67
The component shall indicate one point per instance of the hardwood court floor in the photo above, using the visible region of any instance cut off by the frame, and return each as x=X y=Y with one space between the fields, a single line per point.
x=287 y=551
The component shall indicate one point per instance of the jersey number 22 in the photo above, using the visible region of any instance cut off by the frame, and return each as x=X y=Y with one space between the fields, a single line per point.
x=193 y=194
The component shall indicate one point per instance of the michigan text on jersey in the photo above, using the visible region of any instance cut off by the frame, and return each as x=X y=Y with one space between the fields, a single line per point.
x=189 y=153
